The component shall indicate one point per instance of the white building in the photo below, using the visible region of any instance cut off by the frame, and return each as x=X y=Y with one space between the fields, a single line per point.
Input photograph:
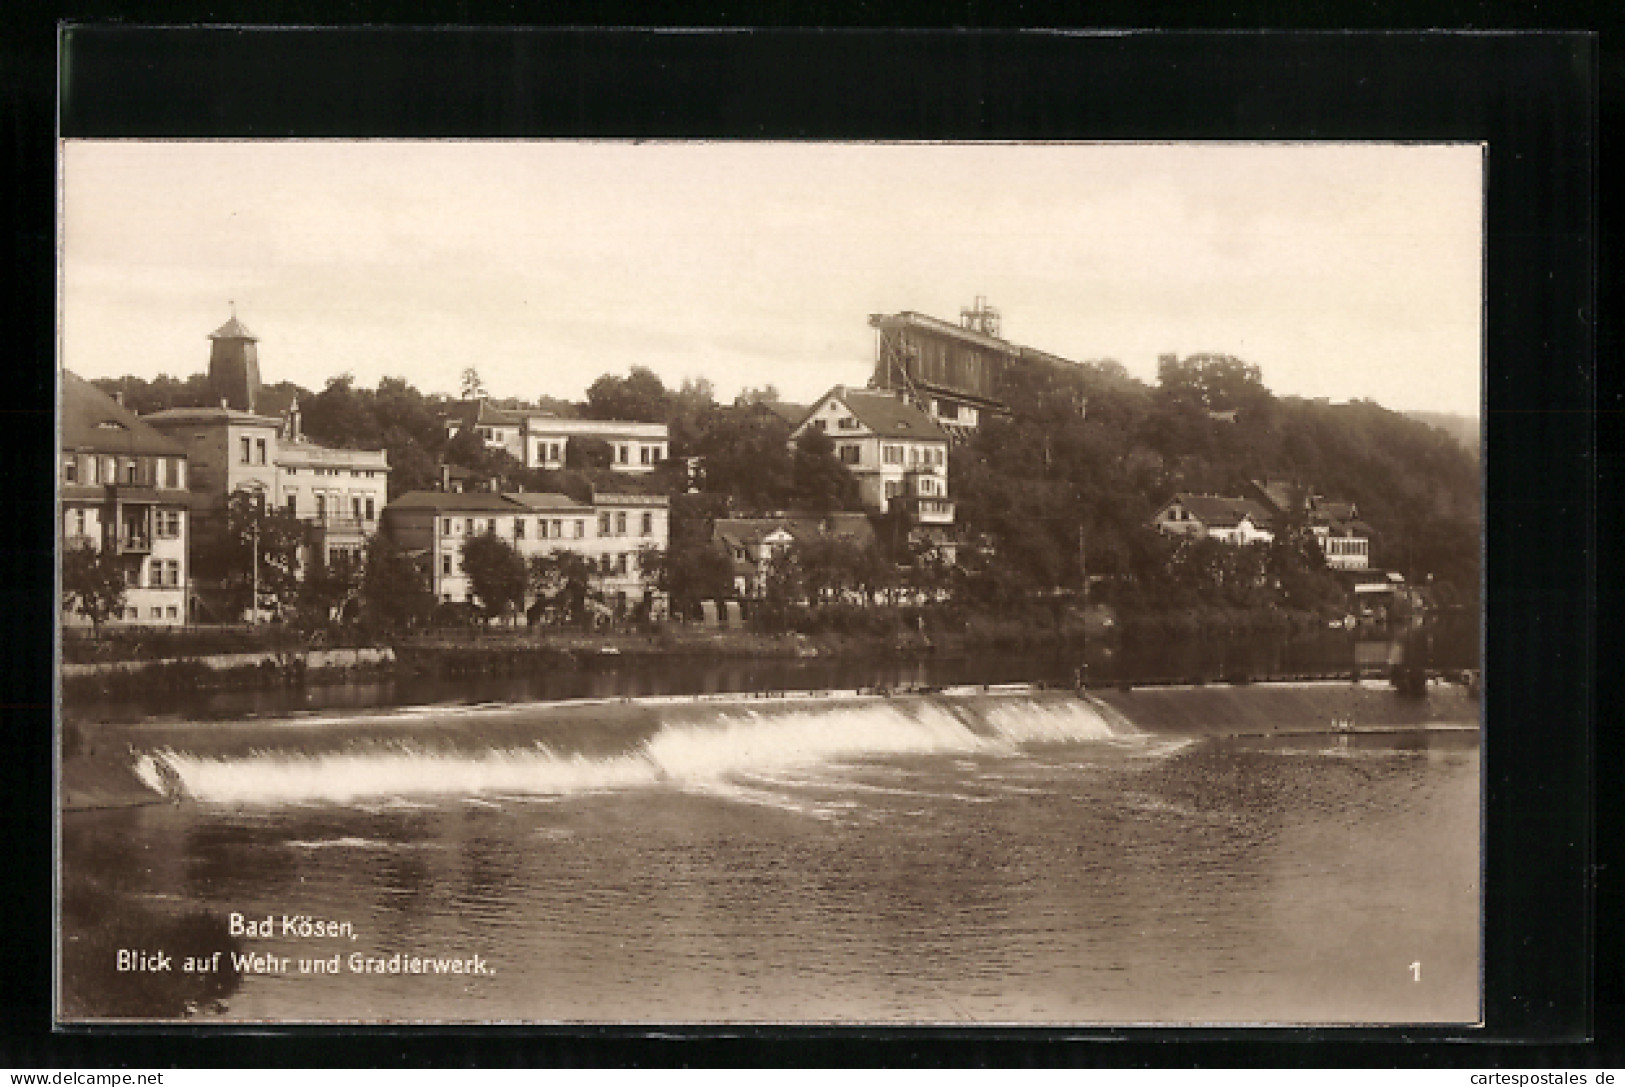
x=539 y=440
x=897 y=452
x=610 y=532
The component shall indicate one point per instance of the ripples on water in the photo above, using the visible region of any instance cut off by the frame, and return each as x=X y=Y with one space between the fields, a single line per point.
x=992 y=862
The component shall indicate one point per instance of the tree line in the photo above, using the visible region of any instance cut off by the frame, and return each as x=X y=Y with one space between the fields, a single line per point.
x=1055 y=493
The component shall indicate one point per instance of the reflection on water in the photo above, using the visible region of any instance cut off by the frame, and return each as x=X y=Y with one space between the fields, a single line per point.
x=1007 y=863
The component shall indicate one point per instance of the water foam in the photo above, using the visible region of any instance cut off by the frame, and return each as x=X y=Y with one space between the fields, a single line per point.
x=718 y=756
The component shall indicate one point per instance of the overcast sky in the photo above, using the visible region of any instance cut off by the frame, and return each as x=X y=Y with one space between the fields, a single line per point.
x=1341 y=270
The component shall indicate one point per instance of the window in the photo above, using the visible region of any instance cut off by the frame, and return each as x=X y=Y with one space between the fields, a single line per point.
x=70 y=469
x=603 y=524
x=648 y=524
x=445 y=598
x=847 y=422
x=79 y=522
x=372 y=511
x=643 y=453
x=604 y=566
x=819 y=424
x=172 y=612
x=620 y=563
x=355 y=506
x=893 y=488
x=557 y=452
x=849 y=454
x=174 y=573
x=132 y=614
x=157 y=613
x=892 y=454
x=519 y=528
x=247 y=445
x=131 y=470
x=172 y=472
x=620 y=523
x=624 y=454
x=558 y=530
x=445 y=562
x=445 y=526
x=321 y=507
x=581 y=529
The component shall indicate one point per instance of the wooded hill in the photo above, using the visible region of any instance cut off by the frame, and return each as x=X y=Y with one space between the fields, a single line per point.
x=1070 y=478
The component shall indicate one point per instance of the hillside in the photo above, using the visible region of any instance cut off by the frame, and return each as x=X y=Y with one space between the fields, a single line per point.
x=1463 y=428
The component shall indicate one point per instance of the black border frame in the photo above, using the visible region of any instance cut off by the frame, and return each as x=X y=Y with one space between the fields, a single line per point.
x=1532 y=97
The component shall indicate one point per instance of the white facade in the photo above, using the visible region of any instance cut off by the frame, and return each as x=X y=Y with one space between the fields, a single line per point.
x=896 y=452
x=609 y=533
x=634 y=447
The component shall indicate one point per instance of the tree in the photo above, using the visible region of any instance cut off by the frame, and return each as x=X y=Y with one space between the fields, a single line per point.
x=394 y=589
x=820 y=481
x=252 y=529
x=639 y=397
x=328 y=586
x=560 y=580
x=584 y=452
x=496 y=573
x=92 y=584
x=473 y=388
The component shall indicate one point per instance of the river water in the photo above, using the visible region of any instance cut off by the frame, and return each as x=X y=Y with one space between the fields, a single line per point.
x=971 y=859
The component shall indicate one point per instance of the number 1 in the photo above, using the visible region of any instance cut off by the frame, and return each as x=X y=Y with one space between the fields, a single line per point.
x=1416 y=971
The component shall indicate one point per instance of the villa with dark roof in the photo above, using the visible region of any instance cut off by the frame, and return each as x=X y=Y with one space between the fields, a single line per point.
x=1231 y=520
x=897 y=452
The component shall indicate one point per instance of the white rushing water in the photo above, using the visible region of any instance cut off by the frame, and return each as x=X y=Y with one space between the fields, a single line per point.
x=717 y=753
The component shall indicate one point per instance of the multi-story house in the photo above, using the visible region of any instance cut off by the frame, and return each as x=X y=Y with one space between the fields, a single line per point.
x=897 y=452
x=339 y=493
x=538 y=440
x=610 y=532
x=123 y=488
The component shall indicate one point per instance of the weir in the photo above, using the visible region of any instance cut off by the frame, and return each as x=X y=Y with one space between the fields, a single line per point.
x=704 y=742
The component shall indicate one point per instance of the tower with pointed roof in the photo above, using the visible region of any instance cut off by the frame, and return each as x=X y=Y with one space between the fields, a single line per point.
x=234 y=365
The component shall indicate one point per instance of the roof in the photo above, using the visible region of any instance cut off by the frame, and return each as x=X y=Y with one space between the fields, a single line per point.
x=232 y=330
x=854 y=526
x=944 y=328
x=94 y=422
x=211 y=416
x=482 y=413
x=546 y=500
x=884 y=414
x=790 y=413
x=1223 y=512
x=483 y=501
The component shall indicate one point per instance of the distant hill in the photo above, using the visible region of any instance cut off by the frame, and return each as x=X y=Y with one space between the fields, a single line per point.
x=1463 y=428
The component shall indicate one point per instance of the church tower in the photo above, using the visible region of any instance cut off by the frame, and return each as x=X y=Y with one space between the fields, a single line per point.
x=234 y=365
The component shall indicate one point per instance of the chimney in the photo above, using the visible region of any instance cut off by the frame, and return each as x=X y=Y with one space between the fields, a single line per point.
x=118 y=397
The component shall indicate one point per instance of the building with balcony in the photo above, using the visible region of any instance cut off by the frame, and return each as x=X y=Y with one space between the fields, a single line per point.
x=123 y=488
x=1344 y=539
x=897 y=452
x=610 y=533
